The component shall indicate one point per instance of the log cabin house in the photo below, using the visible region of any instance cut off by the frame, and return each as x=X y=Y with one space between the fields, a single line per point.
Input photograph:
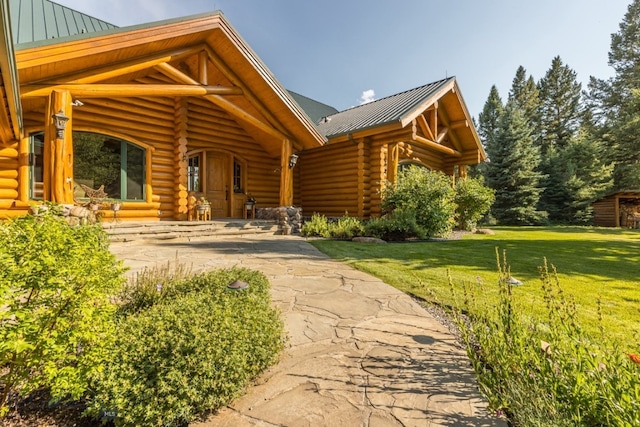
x=153 y=112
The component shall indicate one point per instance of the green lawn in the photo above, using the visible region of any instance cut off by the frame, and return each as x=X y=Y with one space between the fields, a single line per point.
x=591 y=262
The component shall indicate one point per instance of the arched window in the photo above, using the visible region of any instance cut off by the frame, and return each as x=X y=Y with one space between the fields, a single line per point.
x=115 y=163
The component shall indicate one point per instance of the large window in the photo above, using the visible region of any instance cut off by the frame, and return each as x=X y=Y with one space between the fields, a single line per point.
x=115 y=163
x=97 y=160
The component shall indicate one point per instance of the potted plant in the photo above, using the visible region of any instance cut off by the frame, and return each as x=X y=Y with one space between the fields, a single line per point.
x=203 y=205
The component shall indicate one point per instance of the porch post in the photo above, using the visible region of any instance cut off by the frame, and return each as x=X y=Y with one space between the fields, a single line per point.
x=58 y=156
x=181 y=126
x=286 y=174
x=392 y=162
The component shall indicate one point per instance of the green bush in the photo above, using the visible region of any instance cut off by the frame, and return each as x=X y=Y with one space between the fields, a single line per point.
x=56 y=321
x=543 y=372
x=429 y=194
x=317 y=226
x=399 y=225
x=189 y=351
x=473 y=200
x=346 y=228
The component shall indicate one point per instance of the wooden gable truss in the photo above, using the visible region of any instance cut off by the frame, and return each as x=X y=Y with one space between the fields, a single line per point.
x=174 y=88
x=437 y=134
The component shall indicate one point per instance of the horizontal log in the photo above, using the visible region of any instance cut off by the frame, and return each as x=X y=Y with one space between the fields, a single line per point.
x=123 y=213
x=129 y=90
x=8 y=173
x=8 y=193
x=8 y=183
x=8 y=163
x=8 y=152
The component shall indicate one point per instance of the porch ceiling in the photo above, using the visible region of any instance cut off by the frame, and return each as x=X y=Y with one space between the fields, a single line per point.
x=197 y=56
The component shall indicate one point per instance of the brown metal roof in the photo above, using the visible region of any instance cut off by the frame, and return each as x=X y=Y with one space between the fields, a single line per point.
x=380 y=112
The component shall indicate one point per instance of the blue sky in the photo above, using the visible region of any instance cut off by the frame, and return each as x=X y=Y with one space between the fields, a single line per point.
x=335 y=51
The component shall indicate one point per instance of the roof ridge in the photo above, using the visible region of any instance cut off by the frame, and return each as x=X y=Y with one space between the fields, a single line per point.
x=395 y=94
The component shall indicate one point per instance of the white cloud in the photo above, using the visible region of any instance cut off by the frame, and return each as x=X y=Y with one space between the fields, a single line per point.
x=367 y=96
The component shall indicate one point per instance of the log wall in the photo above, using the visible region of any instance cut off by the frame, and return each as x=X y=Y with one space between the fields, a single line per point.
x=160 y=126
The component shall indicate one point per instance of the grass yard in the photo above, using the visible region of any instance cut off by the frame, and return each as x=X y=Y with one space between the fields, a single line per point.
x=591 y=263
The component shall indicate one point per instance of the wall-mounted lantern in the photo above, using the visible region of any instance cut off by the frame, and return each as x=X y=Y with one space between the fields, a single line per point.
x=293 y=159
x=60 y=122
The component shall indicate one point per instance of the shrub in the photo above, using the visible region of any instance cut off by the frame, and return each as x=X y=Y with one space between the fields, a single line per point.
x=317 y=226
x=346 y=228
x=399 y=225
x=56 y=319
x=429 y=194
x=190 y=351
x=542 y=372
x=473 y=200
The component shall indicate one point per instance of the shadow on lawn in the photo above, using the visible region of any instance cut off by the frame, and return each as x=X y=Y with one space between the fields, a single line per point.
x=612 y=259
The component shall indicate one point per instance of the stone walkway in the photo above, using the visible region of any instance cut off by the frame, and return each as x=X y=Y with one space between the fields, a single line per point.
x=360 y=353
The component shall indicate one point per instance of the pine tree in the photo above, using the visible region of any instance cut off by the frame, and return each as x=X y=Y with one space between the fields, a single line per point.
x=560 y=109
x=559 y=118
x=512 y=171
x=487 y=125
x=618 y=100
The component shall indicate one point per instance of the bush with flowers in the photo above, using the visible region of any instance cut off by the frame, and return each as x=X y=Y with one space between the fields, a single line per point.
x=543 y=372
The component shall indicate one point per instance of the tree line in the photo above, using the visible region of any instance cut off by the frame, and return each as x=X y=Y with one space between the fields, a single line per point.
x=555 y=147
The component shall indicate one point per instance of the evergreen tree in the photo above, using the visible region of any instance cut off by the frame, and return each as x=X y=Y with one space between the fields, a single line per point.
x=559 y=106
x=617 y=101
x=487 y=125
x=587 y=177
x=512 y=171
x=559 y=115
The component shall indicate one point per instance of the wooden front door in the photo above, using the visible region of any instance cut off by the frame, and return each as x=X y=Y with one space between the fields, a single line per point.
x=218 y=185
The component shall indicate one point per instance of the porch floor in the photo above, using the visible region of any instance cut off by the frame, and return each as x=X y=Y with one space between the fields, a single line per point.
x=145 y=231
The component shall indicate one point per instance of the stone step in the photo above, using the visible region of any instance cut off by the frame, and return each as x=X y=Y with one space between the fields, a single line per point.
x=135 y=231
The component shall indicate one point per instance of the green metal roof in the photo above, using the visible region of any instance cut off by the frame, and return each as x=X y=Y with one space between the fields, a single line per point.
x=380 y=112
x=314 y=109
x=38 y=20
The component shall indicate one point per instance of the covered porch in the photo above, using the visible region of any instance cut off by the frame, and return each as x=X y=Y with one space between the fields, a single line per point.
x=152 y=114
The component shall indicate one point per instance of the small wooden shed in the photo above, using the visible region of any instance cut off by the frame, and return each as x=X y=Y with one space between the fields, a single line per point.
x=619 y=209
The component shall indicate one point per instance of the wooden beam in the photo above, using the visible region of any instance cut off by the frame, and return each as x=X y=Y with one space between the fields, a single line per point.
x=226 y=105
x=58 y=176
x=286 y=174
x=459 y=124
x=118 y=69
x=203 y=59
x=129 y=90
x=392 y=162
x=424 y=126
x=452 y=136
x=235 y=80
x=436 y=146
x=443 y=132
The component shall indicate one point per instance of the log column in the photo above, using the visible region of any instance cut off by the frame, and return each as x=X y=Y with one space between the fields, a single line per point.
x=58 y=153
x=286 y=174
x=180 y=158
x=392 y=162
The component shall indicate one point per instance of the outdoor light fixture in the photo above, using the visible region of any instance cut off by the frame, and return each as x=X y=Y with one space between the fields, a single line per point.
x=60 y=122
x=237 y=285
x=293 y=159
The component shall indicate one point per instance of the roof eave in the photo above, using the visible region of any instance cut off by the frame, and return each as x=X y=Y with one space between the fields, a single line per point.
x=9 y=71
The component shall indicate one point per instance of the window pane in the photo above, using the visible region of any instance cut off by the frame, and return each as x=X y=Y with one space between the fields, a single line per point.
x=135 y=172
x=100 y=160
x=194 y=174
x=36 y=162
